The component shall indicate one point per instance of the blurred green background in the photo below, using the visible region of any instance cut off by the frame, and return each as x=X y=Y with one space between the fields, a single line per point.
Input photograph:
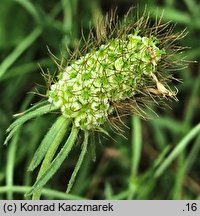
x=159 y=159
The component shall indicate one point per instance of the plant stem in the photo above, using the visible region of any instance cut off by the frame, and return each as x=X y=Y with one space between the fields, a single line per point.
x=18 y=189
x=136 y=154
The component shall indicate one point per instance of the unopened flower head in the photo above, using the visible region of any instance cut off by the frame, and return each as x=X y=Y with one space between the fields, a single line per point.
x=114 y=72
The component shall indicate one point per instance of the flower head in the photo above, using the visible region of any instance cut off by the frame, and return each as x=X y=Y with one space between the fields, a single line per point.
x=119 y=69
x=86 y=88
x=118 y=73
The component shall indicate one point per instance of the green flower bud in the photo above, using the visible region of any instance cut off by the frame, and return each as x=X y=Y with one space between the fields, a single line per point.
x=115 y=71
x=123 y=68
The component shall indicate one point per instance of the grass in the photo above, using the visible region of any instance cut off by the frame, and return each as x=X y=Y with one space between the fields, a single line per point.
x=159 y=159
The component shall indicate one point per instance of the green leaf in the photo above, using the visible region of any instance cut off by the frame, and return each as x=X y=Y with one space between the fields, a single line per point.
x=30 y=8
x=27 y=116
x=179 y=148
x=171 y=14
x=53 y=137
x=36 y=106
x=61 y=156
x=14 y=55
x=79 y=163
x=11 y=134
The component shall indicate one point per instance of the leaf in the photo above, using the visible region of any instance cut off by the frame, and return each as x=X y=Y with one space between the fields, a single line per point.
x=61 y=156
x=53 y=137
x=179 y=148
x=11 y=134
x=36 y=106
x=79 y=163
x=27 y=116
x=14 y=55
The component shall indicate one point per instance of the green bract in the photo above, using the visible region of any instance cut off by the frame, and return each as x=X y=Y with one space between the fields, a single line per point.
x=86 y=88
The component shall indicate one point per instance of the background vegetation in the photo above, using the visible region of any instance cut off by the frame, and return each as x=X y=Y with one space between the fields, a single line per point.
x=160 y=157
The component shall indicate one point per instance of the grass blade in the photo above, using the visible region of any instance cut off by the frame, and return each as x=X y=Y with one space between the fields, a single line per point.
x=181 y=145
x=19 y=50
